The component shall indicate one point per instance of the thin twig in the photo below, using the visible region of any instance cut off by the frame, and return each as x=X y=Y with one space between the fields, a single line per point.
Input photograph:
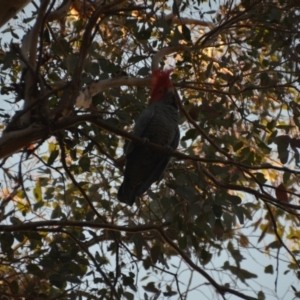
x=278 y=236
x=64 y=163
x=222 y=290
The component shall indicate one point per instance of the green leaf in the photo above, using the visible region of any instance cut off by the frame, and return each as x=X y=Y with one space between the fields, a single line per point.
x=155 y=253
x=187 y=192
x=106 y=66
x=128 y=296
x=139 y=242
x=217 y=210
x=260 y=178
x=272 y=137
x=261 y=295
x=72 y=279
x=275 y=15
x=182 y=242
x=287 y=128
x=71 y=61
x=33 y=268
x=57 y=280
x=101 y=259
x=273 y=245
x=293 y=266
x=218 y=229
x=135 y=59
x=15 y=221
x=242 y=274
x=175 y=8
x=264 y=79
x=236 y=254
x=297 y=294
x=56 y=213
x=85 y=163
x=190 y=134
x=233 y=199
x=228 y=220
x=238 y=146
x=265 y=149
x=127 y=280
x=6 y=240
x=269 y=269
x=14 y=286
x=205 y=256
x=186 y=32
x=144 y=34
x=210 y=12
x=92 y=68
x=19 y=236
x=282 y=142
x=144 y=71
x=14 y=34
x=170 y=294
x=239 y=213
x=286 y=177
x=150 y=287
x=37 y=192
x=52 y=157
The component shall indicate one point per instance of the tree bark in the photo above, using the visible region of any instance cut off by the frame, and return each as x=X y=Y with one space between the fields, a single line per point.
x=10 y=8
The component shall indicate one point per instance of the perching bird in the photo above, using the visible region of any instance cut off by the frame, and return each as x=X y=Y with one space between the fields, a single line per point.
x=158 y=124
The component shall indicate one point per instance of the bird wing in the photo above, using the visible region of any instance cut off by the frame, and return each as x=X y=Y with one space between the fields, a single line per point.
x=176 y=139
x=143 y=121
x=140 y=126
x=158 y=171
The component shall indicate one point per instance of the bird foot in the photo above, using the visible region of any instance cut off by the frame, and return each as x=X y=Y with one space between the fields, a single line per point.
x=169 y=149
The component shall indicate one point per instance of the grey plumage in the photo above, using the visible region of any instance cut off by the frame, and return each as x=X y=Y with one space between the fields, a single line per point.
x=158 y=123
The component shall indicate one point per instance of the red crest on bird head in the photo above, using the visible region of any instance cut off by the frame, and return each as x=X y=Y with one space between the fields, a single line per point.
x=160 y=83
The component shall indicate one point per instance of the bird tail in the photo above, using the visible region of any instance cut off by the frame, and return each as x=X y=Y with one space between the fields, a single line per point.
x=126 y=194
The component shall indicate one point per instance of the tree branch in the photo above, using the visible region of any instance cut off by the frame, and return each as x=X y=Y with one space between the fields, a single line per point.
x=62 y=223
x=188 y=21
x=92 y=258
x=68 y=172
x=10 y=8
x=69 y=97
x=279 y=238
x=60 y=12
x=84 y=99
x=220 y=289
x=29 y=50
x=166 y=51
